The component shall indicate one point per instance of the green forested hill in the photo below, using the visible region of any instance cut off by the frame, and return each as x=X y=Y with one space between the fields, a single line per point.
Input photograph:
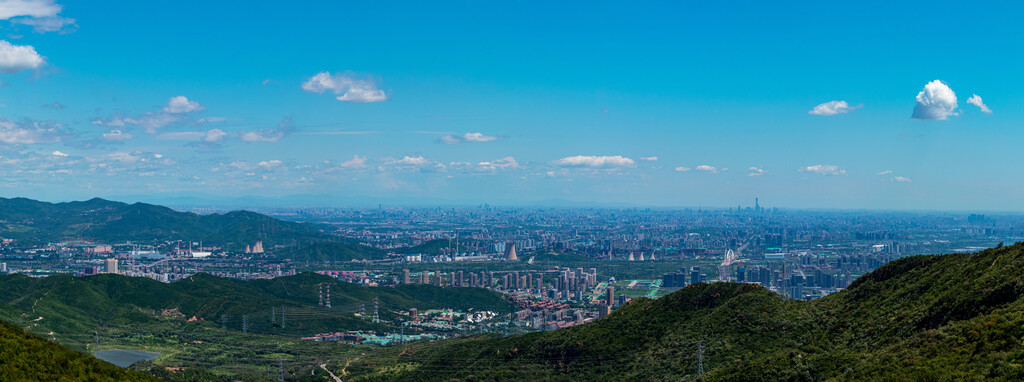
x=331 y=251
x=71 y=308
x=107 y=221
x=952 y=317
x=26 y=357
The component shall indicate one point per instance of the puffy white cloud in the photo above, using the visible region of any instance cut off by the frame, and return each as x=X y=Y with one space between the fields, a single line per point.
x=936 y=102
x=178 y=109
x=29 y=8
x=682 y=169
x=355 y=162
x=833 y=108
x=270 y=164
x=649 y=159
x=416 y=163
x=181 y=104
x=506 y=162
x=755 y=171
x=31 y=132
x=116 y=135
x=902 y=179
x=478 y=137
x=269 y=135
x=707 y=168
x=886 y=172
x=412 y=161
x=468 y=137
x=16 y=58
x=350 y=89
x=976 y=101
x=591 y=161
x=824 y=169
x=58 y=153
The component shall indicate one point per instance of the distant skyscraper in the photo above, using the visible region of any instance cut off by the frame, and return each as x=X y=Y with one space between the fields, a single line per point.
x=110 y=266
x=405 y=276
x=610 y=295
x=510 y=252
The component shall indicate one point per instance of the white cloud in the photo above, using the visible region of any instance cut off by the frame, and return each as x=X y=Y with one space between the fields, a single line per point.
x=833 y=108
x=29 y=8
x=214 y=135
x=976 y=101
x=649 y=159
x=16 y=58
x=201 y=121
x=682 y=169
x=46 y=24
x=506 y=162
x=936 y=102
x=902 y=179
x=756 y=171
x=150 y=121
x=350 y=89
x=269 y=135
x=706 y=168
x=58 y=153
x=181 y=104
x=412 y=161
x=478 y=137
x=31 y=132
x=450 y=139
x=355 y=162
x=116 y=135
x=824 y=169
x=591 y=161
x=270 y=164
x=886 y=172
x=468 y=137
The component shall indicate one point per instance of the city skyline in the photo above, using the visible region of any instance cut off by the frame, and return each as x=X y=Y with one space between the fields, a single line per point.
x=659 y=104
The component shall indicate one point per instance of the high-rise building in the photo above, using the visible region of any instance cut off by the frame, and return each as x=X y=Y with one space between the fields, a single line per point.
x=610 y=295
x=3 y=267
x=405 y=276
x=110 y=266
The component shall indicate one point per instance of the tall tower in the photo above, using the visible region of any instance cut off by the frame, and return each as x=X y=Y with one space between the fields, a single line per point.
x=328 y=296
x=510 y=251
x=376 y=317
x=321 y=294
x=757 y=205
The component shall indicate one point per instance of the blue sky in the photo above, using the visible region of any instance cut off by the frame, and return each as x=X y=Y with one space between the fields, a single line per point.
x=515 y=102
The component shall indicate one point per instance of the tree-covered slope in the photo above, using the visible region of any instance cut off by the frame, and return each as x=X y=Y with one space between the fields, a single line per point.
x=26 y=357
x=331 y=251
x=73 y=307
x=958 y=316
x=107 y=221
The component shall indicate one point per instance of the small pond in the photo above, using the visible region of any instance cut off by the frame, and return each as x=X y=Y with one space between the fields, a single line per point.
x=124 y=358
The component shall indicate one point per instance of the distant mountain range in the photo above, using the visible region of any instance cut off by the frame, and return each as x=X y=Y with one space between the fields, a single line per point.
x=951 y=317
x=107 y=221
